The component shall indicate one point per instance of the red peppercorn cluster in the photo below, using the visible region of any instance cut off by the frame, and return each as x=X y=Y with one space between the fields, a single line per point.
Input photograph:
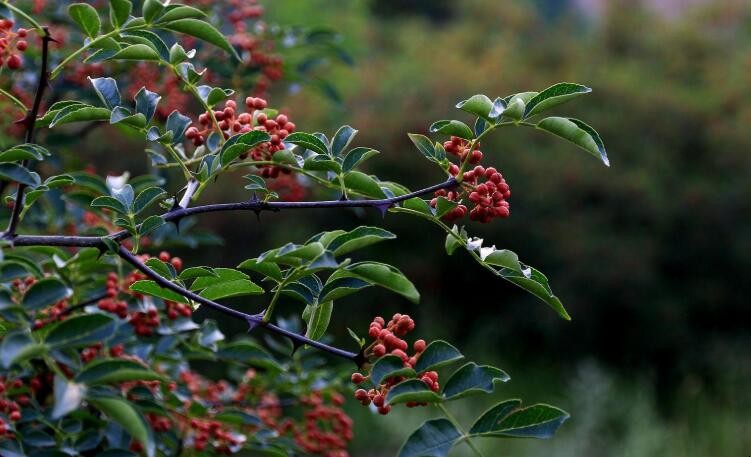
x=485 y=188
x=144 y=322
x=288 y=187
x=12 y=45
x=211 y=432
x=231 y=122
x=12 y=397
x=53 y=313
x=460 y=148
x=327 y=430
x=388 y=340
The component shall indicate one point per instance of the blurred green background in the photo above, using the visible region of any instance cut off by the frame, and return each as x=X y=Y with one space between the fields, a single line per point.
x=651 y=256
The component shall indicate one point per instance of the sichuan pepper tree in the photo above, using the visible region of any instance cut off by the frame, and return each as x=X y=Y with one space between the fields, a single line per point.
x=99 y=346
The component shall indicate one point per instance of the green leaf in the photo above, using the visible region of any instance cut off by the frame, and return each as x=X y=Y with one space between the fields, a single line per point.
x=80 y=113
x=164 y=269
x=237 y=145
x=269 y=269
x=220 y=275
x=234 y=288
x=86 y=17
x=452 y=242
x=424 y=145
x=17 y=347
x=505 y=420
x=419 y=205
x=196 y=272
x=150 y=224
x=322 y=163
x=471 y=379
x=320 y=316
x=111 y=203
x=125 y=414
x=480 y=105
x=452 y=127
x=389 y=366
x=247 y=353
x=107 y=90
x=213 y=95
x=383 y=275
x=201 y=30
x=438 y=353
x=358 y=239
x=411 y=390
x=27 y=151
x=149 y=39
x=110 y=371
x=146 y=103
x=341 y=287
x=136 y=52
x=152 y=9
x=434 y=438
x=148 y=287
x=44 y=293
x=81 y=330
x=534 y=282
x=515 y=109
x=363 y=184
x=307 y=141
x=342 y=139
x=554 y=95
x=443 y=206
x=68 y=397
x=17 y=173
x=146 y=198
x=175 y=12
x=177 y=124
x=357 y=156
x=578 y=133
x=119 y=12
x=501 y=258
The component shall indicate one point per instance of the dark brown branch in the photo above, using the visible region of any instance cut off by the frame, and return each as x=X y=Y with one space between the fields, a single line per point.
x=30 y=122
x=255 y=206
x=253 y=320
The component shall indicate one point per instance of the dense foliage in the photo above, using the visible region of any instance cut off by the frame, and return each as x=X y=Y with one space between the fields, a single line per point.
x=98 y=347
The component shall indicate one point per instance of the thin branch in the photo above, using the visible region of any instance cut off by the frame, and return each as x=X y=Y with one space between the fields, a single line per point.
x=252 y=320
x=83 y=304
x=30 y=122
x=252 y=205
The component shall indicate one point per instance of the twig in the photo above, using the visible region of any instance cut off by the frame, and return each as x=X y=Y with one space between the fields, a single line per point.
x=253 y=320
x=30 y=123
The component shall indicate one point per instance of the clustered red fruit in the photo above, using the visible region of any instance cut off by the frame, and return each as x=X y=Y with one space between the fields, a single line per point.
x=12 y=397
x=327 y=429
x=12 y=45
x=388 y=341
x=230 y=122
x=144 y=322
x=205 y=432
x=460 y=148
x=486 y=189
x=256 y=49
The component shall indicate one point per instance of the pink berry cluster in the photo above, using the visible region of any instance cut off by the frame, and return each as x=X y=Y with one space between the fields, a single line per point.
x=12 y=45
x=460 y=148
x=326 y=430
x=388 y=340
x=485 y=188
x=230 y=122
x=144 y=322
